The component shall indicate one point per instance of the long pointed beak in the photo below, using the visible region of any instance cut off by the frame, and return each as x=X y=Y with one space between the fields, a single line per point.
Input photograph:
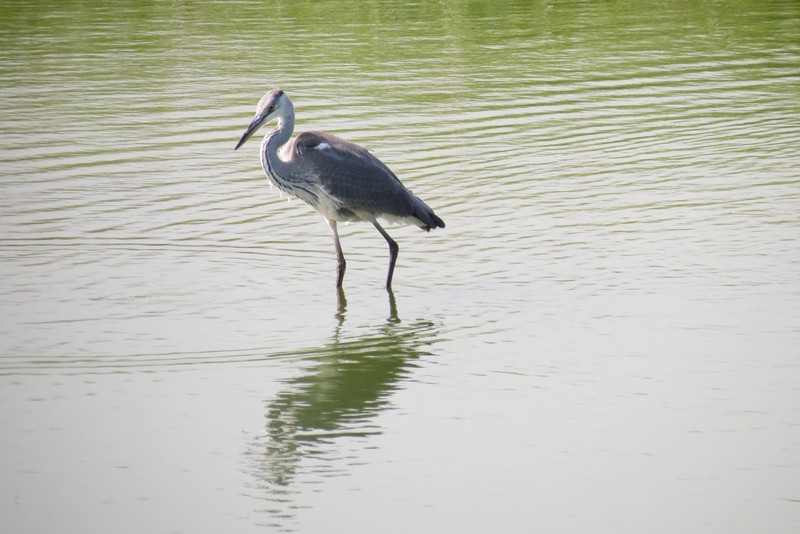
x=255 y=125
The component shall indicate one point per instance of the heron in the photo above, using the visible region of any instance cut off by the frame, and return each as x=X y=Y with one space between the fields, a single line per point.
x=341 y=180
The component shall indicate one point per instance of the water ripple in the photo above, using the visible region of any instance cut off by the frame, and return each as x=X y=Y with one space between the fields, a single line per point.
x=560 y=164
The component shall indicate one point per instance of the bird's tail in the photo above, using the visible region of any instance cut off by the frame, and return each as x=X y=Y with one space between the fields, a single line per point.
x=427 y=217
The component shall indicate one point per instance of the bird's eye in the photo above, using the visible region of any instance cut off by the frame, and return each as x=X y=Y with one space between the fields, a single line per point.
x=271 y=108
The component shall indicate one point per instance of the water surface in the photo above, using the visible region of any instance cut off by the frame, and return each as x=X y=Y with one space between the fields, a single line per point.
x=604 y=338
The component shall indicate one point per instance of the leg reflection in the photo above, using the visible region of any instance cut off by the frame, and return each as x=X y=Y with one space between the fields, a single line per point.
x=393 y=318
x=341 y=308
x=345 y=383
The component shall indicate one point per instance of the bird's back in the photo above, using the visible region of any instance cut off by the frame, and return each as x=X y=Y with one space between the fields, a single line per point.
x=357 y=182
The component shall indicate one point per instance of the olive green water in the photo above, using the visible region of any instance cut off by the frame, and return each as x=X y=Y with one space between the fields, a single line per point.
x=605 y=338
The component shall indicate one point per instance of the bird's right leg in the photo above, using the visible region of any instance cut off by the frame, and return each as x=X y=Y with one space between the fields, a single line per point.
x=341 y=264
x=393 y=250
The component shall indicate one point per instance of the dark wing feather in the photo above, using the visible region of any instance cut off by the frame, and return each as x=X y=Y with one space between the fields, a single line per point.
x=353 y=176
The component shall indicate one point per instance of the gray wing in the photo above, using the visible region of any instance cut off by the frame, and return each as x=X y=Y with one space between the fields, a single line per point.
x=357 y=180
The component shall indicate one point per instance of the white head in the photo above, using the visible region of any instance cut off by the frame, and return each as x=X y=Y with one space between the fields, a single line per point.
x=273 y=105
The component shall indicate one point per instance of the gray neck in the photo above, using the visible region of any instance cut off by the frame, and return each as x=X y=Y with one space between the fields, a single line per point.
x=276 y=169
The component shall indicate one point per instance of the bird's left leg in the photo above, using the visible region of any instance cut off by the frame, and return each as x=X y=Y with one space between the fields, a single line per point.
x=341 y=264
x=393 y=250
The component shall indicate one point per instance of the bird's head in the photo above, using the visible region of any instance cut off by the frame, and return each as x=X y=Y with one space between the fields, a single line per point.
x=275 y=104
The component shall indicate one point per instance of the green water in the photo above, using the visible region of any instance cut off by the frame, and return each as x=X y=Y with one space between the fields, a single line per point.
x=603 y=338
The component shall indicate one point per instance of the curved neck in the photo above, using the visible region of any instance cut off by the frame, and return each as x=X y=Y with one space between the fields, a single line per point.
x=274 y=166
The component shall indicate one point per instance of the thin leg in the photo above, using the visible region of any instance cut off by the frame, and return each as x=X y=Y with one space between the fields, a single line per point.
x=393 y=250
x=341 y=264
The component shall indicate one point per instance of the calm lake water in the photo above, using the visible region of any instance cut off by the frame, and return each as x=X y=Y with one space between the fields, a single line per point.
x=605 y=338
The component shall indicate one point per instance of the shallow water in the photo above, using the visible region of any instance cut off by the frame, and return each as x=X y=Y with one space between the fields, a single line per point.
x=604 y=338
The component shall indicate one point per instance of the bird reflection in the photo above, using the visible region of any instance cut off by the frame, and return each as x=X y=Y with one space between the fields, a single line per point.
x=347 y=384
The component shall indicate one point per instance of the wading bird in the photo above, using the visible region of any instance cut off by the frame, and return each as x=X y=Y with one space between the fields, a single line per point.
x=339 y=179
